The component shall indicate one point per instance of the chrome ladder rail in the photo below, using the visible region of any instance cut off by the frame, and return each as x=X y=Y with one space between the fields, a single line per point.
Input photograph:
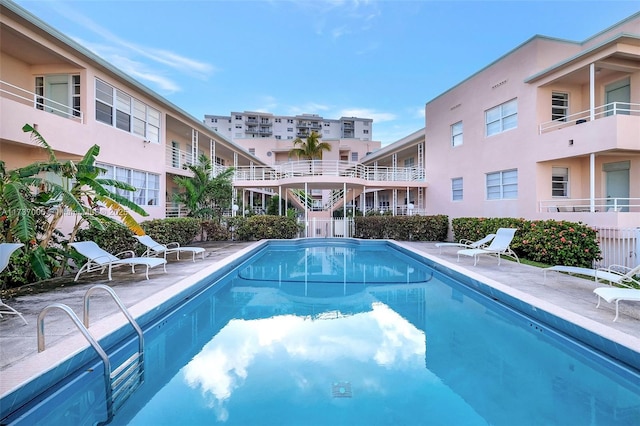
x=125 y=379
x=89 y=337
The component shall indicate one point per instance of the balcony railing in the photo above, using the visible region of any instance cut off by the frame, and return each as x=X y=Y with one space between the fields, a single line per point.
x=329 y=168
x=178 y=159
x=613 y=108
x=585 y=205
x=18 y=94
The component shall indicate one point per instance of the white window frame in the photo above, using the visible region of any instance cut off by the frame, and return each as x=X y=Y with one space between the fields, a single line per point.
x=457 y=189
x=559 y=106
x=70 y=106
x=560 y=182
x=457 y=134
x=117 y=108
x=502 y=185
x=147 y=184
x=501 y=118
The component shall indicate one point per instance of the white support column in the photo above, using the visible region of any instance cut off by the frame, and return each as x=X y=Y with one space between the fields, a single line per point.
x=194 y=146
x=363 y=201
x=212 y=156
x=592 y=91
x=306 y=209
x=279 y=200
x=344 y=201
x=592 y=182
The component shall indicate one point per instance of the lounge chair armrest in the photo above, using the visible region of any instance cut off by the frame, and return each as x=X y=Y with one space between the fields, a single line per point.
x=616 y=269
x=173 y=244
x=130 y=252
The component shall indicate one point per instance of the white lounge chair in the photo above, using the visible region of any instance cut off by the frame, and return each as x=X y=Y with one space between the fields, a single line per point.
x=500 y=246
x=6 y=250
x=468 y=243
x=99 y=259
x=615 y=274
x=156 y=249
x=616 y=294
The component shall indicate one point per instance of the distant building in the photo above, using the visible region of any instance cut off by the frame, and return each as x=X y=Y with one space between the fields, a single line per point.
x=245 y=125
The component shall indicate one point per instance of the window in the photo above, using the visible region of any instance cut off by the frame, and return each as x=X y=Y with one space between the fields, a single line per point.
x=409 y=162
x=238 y=117
x=59 y=94
x=219 y=161
x=116 y=108
x=456 y=189
x=252 y=151
x=559 y=106
x=365 y=131
x=278 y=120
x=559 y=181
x=147 y=184
x=502 y=185
x=354 y=156
x=456 y=134
x=290 y=120
x=502 y=118
x=289 y=129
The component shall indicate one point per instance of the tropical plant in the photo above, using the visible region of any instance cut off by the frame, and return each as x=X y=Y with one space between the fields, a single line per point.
x=311 y=149
x=32 y=204
x=205 y=196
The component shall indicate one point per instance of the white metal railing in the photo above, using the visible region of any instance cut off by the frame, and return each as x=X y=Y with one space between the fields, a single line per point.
x=329 y=168
x=42 y=103
x=584 y=205
x=176 y=210
x=613 y=108
x=618 y=246
x=178 y=159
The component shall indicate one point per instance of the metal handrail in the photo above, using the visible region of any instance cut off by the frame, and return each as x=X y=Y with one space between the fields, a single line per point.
x=90 y=339
x=613 y=108
x=123 y=309
x=34 y=99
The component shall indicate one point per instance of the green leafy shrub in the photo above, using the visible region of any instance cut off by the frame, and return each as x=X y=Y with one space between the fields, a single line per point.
x=267 y=227
x=546 y=241
x=214 y=230
x=559 y=243
x=182 y=230
x=404 y=228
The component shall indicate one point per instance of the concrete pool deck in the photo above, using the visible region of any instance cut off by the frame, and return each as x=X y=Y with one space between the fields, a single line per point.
x=19 y=358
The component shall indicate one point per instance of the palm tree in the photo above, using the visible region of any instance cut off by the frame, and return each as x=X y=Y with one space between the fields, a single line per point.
x=205 y=195
x=311 y=149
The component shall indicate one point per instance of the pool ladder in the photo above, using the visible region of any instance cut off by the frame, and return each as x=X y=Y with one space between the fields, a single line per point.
x=121 y=382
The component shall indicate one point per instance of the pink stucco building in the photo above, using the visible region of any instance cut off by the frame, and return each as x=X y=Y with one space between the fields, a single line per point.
x=549 y=130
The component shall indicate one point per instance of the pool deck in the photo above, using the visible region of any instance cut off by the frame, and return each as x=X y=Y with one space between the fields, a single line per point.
x=571 y=297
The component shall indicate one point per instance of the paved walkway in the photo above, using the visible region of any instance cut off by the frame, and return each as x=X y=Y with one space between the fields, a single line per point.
x=18 y=342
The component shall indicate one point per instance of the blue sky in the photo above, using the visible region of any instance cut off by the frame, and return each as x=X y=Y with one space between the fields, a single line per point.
x=373 y=59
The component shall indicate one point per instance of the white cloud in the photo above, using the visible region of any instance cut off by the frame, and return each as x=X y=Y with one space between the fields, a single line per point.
x=130 y=57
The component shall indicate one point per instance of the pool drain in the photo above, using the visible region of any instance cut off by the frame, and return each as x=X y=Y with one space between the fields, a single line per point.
x=341 y=390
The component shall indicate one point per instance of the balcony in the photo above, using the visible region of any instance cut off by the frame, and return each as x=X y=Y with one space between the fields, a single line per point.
x=338 y=169
x=582 y=205
x=178 y=159
x=25 y=97
x=607 y=110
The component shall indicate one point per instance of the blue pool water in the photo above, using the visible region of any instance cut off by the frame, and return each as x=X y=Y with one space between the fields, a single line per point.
x=353 y=334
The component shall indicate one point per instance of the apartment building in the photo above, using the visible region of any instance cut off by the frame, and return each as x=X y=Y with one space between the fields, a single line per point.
x=76 y=100
x=247 y=125
x=549 y=130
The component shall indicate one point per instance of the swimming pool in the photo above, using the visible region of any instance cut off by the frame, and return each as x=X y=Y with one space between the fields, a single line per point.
x=347 y=332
